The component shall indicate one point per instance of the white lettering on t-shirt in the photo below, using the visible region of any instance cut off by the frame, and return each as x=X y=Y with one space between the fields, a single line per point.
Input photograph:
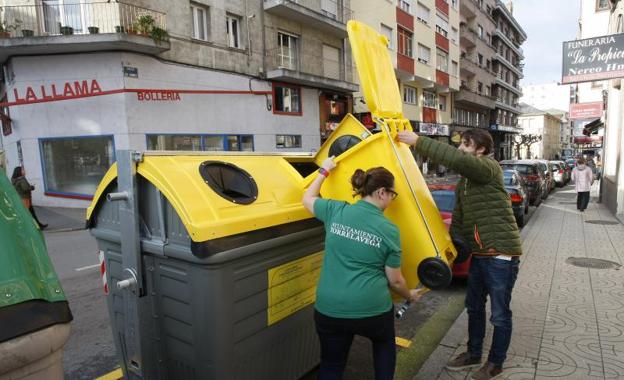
x=355 y=234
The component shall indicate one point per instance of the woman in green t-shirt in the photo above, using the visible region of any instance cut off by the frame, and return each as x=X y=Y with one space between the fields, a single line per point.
x=362 y=263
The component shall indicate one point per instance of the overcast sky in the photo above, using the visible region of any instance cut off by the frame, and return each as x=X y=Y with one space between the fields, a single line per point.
x=547 y=23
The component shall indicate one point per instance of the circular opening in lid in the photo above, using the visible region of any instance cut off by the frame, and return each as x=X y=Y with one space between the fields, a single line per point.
x=229 y=181
x=342 y=144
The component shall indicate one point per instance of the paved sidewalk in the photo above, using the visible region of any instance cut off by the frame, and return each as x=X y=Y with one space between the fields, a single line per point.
x=568 y=320
x=61 y=219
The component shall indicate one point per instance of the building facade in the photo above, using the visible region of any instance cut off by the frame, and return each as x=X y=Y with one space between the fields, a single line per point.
x=84 y=79
x=475 y=101
x=546 y=125
x=612 y=183
x=424 y=45
x=507 y=64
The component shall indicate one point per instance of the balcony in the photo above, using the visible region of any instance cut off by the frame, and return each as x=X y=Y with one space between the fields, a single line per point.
x=509 y=107
x=508 y=86
x=468 y=96
x=81 y=27
x=286 y=65
x=330 y=16
x=467 y=37
x=513 y=45
x=515 y=68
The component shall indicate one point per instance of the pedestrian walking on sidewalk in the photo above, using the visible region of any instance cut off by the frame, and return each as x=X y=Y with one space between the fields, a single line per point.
x=24 y=190
x=362 y=261
x=583 y=178
x=483 y=217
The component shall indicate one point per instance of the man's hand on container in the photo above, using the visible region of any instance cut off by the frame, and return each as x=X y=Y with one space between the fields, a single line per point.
x=416 y=294
x=407 y=137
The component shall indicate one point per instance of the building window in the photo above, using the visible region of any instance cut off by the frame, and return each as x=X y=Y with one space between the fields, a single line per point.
x=429 y=99
x=286 y=99
x=199 y=15
x=232 y=30
x=619 y=28
x=424 y=54
x=409 y=95
x=480 y=31
x=454 y=68
x=487 y=90
x=442 y=103
x=404 y=42
x=442 y=26
x=422 y=14
x=602 y=5
x=442 y=60
x=200 y=142
x=287 y=54
x=480 y=60
x=74 y=166
x=387 y=32
x=288 y=141
x=174 y=142
x=405 y=5
x=479 y=87
x=454 y=3
x=454 y=34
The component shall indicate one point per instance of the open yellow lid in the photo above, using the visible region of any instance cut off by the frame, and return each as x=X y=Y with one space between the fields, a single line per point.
x=377 y=80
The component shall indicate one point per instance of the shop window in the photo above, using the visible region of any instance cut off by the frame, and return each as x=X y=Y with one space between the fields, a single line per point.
x=288 y=141
x=74 y=166
x=199 y=20
x=174 y=142
x=286 y=99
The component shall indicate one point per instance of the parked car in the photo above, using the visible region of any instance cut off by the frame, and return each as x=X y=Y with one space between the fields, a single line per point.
x=532 y=176
x=558 y=173
x=444 y=197
x=518 y=193
x=567 y=170
x=548 y=175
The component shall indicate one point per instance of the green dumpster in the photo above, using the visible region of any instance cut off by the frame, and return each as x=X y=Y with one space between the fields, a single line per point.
x=34 y=314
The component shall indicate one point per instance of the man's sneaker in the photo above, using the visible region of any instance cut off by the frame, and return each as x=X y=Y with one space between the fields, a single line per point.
x=463 y=361
x=488 y=371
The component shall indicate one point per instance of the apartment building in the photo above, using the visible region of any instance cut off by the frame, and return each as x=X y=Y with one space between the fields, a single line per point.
x=507 y=64
x=541 y=123
x=85 y=78
x=423 y=40
x=475 y=101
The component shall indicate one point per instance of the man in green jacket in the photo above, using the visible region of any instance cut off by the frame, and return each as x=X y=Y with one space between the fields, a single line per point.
x=483 y=217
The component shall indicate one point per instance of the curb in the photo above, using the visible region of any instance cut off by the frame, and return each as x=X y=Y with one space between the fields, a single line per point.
x=427 y=338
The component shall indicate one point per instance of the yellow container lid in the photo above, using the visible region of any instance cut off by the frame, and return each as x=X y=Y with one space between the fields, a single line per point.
x=377 y=79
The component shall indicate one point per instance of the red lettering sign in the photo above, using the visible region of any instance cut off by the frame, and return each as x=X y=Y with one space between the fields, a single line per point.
x=49 y=92
x=158 y=96
x=580 y=111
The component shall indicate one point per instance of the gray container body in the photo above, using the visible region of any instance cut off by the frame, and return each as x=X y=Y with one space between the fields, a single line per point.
x=205 y=318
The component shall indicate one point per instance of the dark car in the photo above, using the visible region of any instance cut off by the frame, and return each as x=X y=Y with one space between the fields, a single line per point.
x=532 y=175
x=548 y=175
x=518 y=193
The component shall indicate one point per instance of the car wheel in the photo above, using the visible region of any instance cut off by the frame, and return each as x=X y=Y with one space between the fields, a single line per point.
x=520 y=220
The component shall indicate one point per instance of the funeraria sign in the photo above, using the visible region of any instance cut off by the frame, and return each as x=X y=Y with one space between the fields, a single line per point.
x=593 y=59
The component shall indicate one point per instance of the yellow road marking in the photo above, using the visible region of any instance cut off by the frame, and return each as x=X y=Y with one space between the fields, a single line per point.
x=402 y=342
x=113 y=375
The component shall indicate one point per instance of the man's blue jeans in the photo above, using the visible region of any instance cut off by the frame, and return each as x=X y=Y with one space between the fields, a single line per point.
x=496 y=278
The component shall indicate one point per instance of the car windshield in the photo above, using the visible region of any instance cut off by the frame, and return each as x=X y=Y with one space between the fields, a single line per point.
x=444 y=199
x=522 y=169
x=508 y=178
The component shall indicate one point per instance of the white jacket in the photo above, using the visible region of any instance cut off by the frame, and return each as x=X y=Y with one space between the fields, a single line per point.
x=583 y=178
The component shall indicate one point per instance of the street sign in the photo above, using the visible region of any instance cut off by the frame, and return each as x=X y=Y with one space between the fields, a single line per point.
x=593 y=59
x=580 y=111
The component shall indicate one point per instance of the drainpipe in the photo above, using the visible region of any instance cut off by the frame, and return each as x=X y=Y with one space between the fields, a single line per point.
x=262 y=27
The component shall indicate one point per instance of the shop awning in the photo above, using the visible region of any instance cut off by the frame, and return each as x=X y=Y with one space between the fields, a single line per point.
x=592 y=127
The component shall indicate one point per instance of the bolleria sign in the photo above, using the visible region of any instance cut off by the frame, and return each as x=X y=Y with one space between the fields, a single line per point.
x=593 y=59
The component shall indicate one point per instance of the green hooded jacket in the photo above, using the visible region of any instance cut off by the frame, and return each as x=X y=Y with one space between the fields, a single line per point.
x=483 y=215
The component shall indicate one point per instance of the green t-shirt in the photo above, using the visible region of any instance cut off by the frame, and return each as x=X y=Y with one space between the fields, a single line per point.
x=359 y=243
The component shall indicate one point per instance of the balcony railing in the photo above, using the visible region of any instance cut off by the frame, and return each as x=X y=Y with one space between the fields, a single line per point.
x=312 y=64
x=79 y=18
x=333 y=9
